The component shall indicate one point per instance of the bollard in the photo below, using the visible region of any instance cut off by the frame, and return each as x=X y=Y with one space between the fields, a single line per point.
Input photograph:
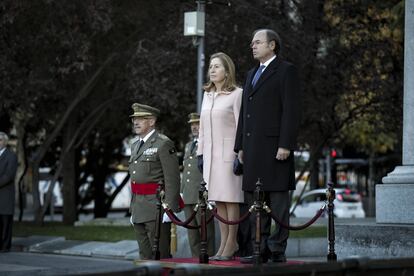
x=330 y=195
x=258 y=207
x=202 y=196
x=156 y=246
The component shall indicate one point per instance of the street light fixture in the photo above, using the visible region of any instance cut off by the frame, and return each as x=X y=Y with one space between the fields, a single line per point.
x=194 y=25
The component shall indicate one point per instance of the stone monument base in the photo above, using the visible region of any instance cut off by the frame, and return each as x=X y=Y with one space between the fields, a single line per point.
x=395 y=203
x=374 y=240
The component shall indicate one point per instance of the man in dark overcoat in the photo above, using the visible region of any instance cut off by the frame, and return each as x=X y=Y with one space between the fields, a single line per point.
x=266 y=137
x=8 y=167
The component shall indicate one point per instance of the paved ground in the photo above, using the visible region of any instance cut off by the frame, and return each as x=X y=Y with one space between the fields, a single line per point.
x=45 y=255
x=25 y=263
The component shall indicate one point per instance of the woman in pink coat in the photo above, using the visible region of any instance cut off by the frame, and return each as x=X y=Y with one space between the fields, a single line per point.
x=218 y=123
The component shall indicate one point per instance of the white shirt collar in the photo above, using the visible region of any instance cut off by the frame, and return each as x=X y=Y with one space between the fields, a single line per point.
x=267 y=62
x=2 y=150
x=146 y=137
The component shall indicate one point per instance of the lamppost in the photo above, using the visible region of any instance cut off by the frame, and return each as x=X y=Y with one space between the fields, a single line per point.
x=194 y=23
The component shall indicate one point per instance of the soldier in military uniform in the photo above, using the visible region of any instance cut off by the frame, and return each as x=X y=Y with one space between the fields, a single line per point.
x=153 y=160
x=190 y=185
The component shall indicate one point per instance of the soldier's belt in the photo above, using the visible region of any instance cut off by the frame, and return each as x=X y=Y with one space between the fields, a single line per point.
x=144 y=188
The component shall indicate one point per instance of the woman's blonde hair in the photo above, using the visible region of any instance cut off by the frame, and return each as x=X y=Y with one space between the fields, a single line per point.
x=230 y=79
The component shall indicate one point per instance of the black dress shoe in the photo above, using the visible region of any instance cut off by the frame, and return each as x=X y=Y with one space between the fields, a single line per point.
x=246 y=260
x=250 y=260
x=278 y=257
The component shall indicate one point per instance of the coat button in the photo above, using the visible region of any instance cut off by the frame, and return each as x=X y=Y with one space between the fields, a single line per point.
x=248 y=134
x=188 y=180
x=188 y=172
x=135 y=161
x=250 y=98
x=189 y=165
x=248 y=115
x=191 y=157
x=133 y=172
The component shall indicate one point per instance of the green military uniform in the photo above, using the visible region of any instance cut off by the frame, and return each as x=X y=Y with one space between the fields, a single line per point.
x=190 y=185
x=154 y=162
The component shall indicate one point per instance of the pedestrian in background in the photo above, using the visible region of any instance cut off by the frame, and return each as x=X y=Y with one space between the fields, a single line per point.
x=190 y=186
x=8 y=167
x=266 y=138
x=153 y=160
x=218 y=123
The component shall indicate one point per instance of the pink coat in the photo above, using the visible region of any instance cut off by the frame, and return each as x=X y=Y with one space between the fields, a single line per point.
x=218 y=124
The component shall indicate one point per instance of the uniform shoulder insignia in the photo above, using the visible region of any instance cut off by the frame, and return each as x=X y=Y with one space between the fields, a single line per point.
x=162 y=136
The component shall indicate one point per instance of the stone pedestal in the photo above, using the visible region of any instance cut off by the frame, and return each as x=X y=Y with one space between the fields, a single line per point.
x=393 y=233
x=395 y=198
x=374 y=240
x=395 y=203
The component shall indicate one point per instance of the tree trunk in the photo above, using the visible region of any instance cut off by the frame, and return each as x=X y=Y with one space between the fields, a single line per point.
x=42 y=150
x=22 y=161
x=371 y=186
x=69 y=176
x=99 y=195
x=99 y=177
x=35 y=192
x=314 y=168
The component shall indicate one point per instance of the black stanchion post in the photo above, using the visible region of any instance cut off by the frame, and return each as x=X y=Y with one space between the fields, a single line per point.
x=202 y=196
x=330 y=194
x=156 y=246
x=258 y=207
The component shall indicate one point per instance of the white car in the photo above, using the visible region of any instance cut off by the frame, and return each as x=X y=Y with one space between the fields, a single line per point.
x=347 y=204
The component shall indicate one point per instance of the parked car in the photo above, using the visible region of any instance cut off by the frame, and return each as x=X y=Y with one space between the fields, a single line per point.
x=347 y=204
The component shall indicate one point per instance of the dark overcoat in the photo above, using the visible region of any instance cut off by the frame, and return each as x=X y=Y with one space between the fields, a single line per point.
x=269 y=119
x=8 y=167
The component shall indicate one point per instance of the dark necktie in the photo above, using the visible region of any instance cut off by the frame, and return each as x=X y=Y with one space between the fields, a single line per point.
x=193 y=145
x=258 y=74
x=141 y=143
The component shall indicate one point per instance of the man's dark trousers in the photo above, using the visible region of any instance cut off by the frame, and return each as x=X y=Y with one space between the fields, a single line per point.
x=276 y=242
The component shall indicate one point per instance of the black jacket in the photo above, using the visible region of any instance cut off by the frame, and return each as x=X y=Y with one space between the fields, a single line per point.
x=8 y=167
x=269 y=119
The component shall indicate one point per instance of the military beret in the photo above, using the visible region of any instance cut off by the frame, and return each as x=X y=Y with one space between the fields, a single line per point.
x=141 y=110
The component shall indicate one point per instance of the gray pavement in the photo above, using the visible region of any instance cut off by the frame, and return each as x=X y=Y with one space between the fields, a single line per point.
x=25 y=263
x=51 y=255
x=42 y=255
x=123 y=250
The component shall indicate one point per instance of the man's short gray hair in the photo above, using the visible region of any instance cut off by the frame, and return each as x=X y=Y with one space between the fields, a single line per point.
x=272 y=36
x=4 y=135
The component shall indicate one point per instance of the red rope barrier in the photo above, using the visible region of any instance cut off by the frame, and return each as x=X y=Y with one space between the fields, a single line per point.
x=296 y=227
x=241 y=219
x=185 y=224
x=178 y=222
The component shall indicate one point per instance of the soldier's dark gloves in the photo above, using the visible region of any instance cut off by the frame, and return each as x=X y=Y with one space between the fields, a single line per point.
x=200 y=163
